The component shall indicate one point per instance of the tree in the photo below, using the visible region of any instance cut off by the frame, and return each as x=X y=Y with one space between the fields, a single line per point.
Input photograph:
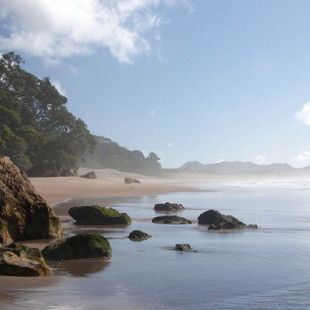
x=35 y=123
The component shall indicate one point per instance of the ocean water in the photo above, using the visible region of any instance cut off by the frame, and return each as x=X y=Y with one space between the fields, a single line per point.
x=267 y=268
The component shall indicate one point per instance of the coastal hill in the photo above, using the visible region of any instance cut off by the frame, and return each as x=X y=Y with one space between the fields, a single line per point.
x=238 y=167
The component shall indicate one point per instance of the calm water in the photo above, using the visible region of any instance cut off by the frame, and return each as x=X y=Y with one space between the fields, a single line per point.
x=268 y=268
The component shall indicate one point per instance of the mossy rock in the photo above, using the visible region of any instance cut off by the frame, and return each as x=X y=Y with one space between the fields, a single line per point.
x=168 y=207
x=86 y=245
x=97 y=215
x=19 y=260
x=170 y=219
x=138 y=235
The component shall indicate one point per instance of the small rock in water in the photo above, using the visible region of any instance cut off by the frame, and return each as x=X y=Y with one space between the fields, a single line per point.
x=185 y=247
x=168 y=207
x=170 y=219
x=138 y=235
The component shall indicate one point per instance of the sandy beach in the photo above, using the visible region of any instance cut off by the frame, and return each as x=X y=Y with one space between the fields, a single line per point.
x=108 y=183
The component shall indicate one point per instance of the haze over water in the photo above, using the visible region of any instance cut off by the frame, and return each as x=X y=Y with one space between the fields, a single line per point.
x=266 y=268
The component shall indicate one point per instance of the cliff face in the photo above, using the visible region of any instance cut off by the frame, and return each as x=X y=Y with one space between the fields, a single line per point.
x=24 y=214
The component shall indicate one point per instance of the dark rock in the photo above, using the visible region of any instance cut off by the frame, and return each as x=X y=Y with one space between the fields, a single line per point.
x=23 y=213
x=19 y=260
x=170 y=219
x=184 y=248
x=168 y=207
x=129 y=180
x=97 y=215
x=252 y=226
x=49 y=168
x=87 y=245
x=138 y=235
x=217 y=221
x=89 y=175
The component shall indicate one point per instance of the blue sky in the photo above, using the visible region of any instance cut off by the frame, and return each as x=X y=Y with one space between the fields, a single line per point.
x=189 y=80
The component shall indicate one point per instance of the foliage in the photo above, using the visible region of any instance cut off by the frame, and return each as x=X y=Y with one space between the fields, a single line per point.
x=109 y=154
x=35 y=124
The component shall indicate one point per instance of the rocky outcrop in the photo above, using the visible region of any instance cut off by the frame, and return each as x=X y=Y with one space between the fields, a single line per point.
x=19 y=260
x=89 y=175
x=170 y=219
x=97 y=215
x=23 y=213
x=129 y=180
x=185 y=247
x=87 y=245
x=218 y=221
x=168 y=207
x=138 y=235
x=49 y=168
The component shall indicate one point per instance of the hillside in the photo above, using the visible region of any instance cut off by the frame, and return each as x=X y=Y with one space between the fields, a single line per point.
x=108 y=154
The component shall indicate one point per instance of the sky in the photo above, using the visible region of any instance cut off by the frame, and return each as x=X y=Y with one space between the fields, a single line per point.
x=191 y=80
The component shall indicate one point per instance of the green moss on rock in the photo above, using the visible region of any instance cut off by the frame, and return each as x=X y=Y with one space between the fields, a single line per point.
x=86 y=245
x=97 y=215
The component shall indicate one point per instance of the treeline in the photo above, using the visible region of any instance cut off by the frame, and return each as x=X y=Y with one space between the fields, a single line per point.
x=109 y=154
x=36 y=127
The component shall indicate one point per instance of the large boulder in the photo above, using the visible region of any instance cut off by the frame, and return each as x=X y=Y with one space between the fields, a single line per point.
x=49 y=168
x=138 y=235
x=168 y=207
x=86 y=245
x=218 y=221
x=97 y=215
x=19 y=260
x=170 y=219
x=24 y=214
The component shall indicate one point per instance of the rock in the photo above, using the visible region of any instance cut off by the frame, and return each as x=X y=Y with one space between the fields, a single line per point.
x=97 y=215
x=129 y=180
x=86 y=245
x=138 y=235
x=170 y=219
x=24 y=214
x=217 y=221
x=19 y=260
x=252 y=226
x=184 y=248
x=49 y=168
x=89 y=175
x=168 y=207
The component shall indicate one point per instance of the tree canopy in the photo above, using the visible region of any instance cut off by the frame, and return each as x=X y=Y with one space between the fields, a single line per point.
x=35 y=124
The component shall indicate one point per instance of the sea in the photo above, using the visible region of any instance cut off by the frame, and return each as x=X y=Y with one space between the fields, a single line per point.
x=266 y=268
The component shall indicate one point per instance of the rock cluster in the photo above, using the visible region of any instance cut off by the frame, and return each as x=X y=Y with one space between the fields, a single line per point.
x=24 y=214
x=97 y=215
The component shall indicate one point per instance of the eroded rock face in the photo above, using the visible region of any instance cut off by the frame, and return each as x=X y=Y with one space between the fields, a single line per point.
x=170 y=219
x=97 y=215
x=168 y=207
x=24 y=214
x=85 y=245
x=19 y=260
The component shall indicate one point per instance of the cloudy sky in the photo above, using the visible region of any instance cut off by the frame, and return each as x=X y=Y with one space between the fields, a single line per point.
x=205 y=80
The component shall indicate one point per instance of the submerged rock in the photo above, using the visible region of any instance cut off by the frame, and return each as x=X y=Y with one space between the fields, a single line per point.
x=97 y=215
x=19 y=260
x=218 y=221
x=86 y=245
x=185 y=247
x=129 y=180
x=170 y=219
x=138 y=235
x=168 y=207
x=24 y=214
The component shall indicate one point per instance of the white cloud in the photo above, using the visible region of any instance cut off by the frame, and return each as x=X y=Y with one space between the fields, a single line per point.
x=260 y=160
x=304 y=115
x=56 y=29
x=170 y=144
x=301 y=160
x=59 y=87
